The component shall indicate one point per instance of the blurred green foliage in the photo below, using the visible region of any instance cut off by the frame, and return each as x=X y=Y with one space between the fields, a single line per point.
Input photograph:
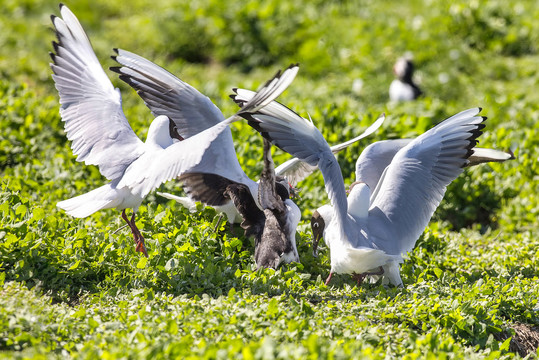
x=75 y=288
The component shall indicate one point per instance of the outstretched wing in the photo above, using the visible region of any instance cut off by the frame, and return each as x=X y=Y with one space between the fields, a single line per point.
x=90 y=106
x=180 y=157
x=373 y=160
x=415 y=182
x=296 y=170
x=165 y=94
x=377 y=156
x=300 y=138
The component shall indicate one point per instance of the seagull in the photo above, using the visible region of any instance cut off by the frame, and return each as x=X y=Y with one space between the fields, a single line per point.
x=193 y=112
x=274 y=227
x=94 y=122
x=370 y=166
x=368 y=233
x=403 y=87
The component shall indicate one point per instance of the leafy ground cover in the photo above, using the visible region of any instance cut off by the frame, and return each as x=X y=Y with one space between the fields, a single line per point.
x=76 y=288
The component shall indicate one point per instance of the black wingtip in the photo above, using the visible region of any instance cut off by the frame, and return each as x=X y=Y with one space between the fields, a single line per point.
x=480 y=109
x=126 y=79
x=61 y=5
x=251 y=121
x=116 y=50
x=116 y=69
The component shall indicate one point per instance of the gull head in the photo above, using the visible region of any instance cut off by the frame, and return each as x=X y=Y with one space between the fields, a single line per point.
x=159 y=132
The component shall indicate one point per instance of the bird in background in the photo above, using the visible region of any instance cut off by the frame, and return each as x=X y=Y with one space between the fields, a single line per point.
x=403 y=88
x=369 y=231
x=100 y=134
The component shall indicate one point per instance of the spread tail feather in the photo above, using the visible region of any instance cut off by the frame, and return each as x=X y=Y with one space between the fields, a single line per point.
x=84 y=205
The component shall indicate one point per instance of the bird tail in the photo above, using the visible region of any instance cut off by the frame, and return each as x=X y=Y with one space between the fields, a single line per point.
x=87 y=204
x=481 y=155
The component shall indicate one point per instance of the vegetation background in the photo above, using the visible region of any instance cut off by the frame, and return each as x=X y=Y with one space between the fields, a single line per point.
x=76 y=288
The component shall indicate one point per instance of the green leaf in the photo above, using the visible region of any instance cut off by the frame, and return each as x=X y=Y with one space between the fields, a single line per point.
x=142 y=262
x=75 y=265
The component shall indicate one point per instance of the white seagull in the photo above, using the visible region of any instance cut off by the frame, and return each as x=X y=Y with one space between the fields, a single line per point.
x=403 y=88
x=193 y=112
x=101 y=135
x=368 y=234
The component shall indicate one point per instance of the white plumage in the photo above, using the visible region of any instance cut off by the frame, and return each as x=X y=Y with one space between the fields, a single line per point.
x=368 y=234
x=101 y=135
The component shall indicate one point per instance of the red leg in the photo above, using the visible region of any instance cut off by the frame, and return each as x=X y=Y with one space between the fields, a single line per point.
x=137 y=236
x=359 y=278
x=140 y=239
x=329 y=278
x=124 y=216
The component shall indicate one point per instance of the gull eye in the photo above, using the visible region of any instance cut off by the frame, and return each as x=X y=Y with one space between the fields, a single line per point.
x=316 y=225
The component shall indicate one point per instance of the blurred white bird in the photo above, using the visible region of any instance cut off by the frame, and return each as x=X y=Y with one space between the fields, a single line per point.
x=100 y=134
x=368 y=234
x=403 y=88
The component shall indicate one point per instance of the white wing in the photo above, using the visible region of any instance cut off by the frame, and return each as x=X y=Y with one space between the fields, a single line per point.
x=300 y=138
x=481 y=156
x=416 y=180
x=166 y=164
x=165 y=94
x=191 y=111
x=90 y=106
x=375 y=158
x=296 y=170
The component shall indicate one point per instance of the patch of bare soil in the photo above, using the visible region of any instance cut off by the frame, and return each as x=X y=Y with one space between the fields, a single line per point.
x=525 y=341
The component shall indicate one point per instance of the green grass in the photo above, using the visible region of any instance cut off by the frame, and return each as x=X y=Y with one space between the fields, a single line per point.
x=76 y=288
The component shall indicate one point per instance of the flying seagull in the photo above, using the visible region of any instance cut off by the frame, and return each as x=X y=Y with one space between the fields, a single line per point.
x=101 y=135
x=368 y=233
x=191 y=113
x=403 y=88
x=274 y=227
